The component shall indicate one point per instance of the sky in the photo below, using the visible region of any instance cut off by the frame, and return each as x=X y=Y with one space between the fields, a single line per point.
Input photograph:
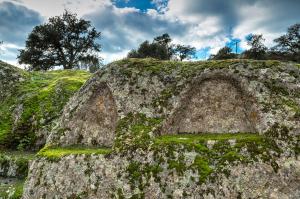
x=124 y=24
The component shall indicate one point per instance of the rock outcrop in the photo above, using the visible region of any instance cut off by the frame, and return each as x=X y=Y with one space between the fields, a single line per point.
x=215 y=97
x=176 y=130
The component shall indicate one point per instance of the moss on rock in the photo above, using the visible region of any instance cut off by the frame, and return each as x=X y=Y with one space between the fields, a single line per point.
x=56 y=153
x=135 y=130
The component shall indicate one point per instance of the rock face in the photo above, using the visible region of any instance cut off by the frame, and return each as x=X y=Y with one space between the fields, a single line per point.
x=216 y=129
x=94 y=121
x=201 y=97
x=101 y=177
x=215 y=104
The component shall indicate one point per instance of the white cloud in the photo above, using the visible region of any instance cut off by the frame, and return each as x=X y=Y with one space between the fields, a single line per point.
x=48 y=8
x=110 y=57
x=198 y=23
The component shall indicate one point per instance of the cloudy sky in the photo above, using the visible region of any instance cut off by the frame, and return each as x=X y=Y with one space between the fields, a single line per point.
x=207 y=25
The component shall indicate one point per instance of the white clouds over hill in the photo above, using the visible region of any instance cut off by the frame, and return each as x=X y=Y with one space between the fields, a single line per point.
x=196 y=22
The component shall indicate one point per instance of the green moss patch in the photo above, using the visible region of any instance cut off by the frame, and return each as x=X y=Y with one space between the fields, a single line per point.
x=206 y=155
x=185 y=69
x=201 y=137
x=18 y=154
x=135 y=130
x=215 y=149
x=55 y=153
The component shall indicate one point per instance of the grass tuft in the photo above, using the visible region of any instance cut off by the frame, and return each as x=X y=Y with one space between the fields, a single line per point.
x=56 y=153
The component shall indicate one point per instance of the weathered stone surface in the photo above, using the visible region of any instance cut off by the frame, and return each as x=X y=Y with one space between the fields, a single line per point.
x=9 y=78
x=233 y=96
x=92 y=123
x=260 y=181
x=106 y=177
x=215 y=104
x=129 y=103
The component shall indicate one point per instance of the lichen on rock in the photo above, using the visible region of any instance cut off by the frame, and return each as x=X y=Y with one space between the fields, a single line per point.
x=203 y=129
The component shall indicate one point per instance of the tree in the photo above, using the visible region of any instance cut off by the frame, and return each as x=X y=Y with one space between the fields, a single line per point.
x=91 y=63
x=164 y=39
x=63 y=41
x=160 y=48
x=164 y=42
x=258 y=49
x=223 y=53
x=288 y=45
x=184 y=52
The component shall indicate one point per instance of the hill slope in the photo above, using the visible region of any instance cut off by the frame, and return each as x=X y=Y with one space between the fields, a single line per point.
x=31 y=101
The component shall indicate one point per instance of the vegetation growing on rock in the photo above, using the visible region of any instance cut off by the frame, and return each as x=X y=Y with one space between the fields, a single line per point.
x=55 y=153
x=33 y=103
x=12 y=189
x=146 y=157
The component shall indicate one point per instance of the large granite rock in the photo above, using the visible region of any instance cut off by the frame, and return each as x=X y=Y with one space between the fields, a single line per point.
x=141 y=108
x=216 y=96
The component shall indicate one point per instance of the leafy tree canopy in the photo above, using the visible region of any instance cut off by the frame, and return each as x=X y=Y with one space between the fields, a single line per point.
x=184 y=52
x=63 y=41
x=162 y=48
x=223 y=53
x=288 y=44
x=258 y=49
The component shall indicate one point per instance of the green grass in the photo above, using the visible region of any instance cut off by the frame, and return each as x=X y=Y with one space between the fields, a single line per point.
x=200 y=138
x=18 y=154
x=56 y=153
x=154 y=66
x=168 y=150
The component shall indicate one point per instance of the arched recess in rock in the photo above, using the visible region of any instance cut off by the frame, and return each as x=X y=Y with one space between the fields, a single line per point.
x=214 y=104
x=94 y=123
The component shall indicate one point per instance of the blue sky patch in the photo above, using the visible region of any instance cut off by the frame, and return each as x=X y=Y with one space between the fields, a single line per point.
x=139 y=4
x=234 y=44
x=202 y=54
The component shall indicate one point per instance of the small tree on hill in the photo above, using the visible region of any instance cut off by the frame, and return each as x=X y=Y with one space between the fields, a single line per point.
x=160 y=49
x=164 y=39
x=64 y=41
x=258 y=49
x=184 y=52
x=223 y=53
x=288 y=45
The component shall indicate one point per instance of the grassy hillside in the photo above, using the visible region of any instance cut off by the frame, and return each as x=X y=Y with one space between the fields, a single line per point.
x=31 y=101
